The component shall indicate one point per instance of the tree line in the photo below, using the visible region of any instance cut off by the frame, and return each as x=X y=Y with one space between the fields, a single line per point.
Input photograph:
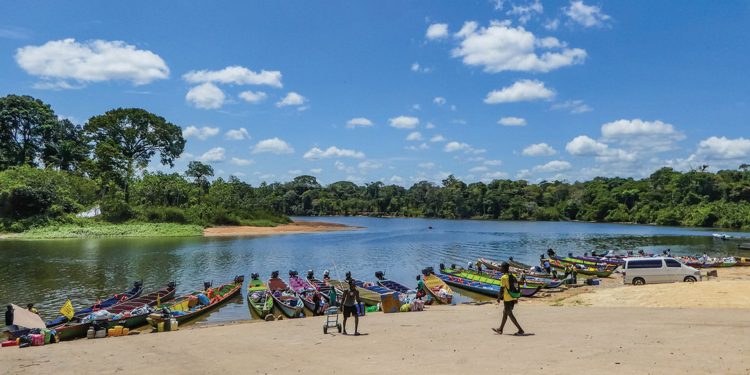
x=52 y=169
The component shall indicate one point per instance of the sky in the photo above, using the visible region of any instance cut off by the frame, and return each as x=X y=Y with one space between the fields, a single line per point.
x=401 y=92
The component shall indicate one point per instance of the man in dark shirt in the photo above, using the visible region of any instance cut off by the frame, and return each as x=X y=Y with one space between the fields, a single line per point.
x=348 y=301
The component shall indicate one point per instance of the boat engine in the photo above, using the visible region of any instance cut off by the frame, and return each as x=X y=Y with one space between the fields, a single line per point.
x=206 y=285
x=310 y=274
x=275 y=274
x=380 y=275
x=442 y=266
x=348 y=275
x=255 y=276
x=292 y=273
x=172 y=285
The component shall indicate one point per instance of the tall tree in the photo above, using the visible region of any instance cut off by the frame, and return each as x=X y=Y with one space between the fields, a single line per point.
x=200 y=172
x=65 y=146
x=125 y=140
x=23 y=123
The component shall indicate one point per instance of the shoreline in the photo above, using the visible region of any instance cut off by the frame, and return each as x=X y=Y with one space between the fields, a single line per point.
x=297 y=227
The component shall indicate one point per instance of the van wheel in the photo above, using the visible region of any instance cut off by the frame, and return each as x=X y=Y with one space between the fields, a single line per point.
x=638 y=281
x=689 y=279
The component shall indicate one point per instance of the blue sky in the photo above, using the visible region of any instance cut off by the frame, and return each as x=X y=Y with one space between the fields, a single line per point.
x=403 y=91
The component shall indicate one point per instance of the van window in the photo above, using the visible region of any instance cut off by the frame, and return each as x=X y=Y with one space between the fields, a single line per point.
x=672 y=263
x=646 y=263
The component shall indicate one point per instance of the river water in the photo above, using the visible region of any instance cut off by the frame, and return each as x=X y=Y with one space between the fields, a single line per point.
x=47 y=272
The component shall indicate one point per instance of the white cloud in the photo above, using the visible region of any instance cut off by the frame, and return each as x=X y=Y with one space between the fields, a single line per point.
x=358 y=121
x=93 y=61
x=723 y=148
x=273 y=145
x=527 y=11
x=539 y=149
x=437 y=138
x=292 y=99
x=420 y=147
x=552 y=24
x=241 y=162
x=585 y=146
x=253 y=96
x=237 y=134
x=456 y=146
x=586 y=15
x=430 y=126
x=512 y=121
x=652 y=136
x=214 y=154
x=294 y=172
x=427 y=165
x=501 y=47
x=494 y=176
x=367 y=164
x=414 y=136
x=316 y=170
x=553 y=166
x=416 y=107
x=439 y=100
x=333 y=151
x=238 y=174
x=437 y=31
x=573 y=106
x=238 y=75
x=493 y=162
x=478 y=169
x=524 y=90
x=404 y=122
x=200 y=133
x=396 y=179
x=206 y=96
x=415 y=67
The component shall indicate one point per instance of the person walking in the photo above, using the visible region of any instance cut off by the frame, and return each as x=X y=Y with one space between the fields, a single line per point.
x=348 y=301
x=509 y=293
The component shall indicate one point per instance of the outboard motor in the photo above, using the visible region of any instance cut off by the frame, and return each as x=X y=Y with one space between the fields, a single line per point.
x=326 y=273
x=570 y=255
x=255 y=276
x=171 y=285
x=425 y=272
x=206 y=285
x=310 y=274
x=275 y=274
x=431 y=270
x=348 y=275
x=138 y=284
x=380 y=275
x=239 y=279
x=442 y=266
x=510 y=259
x=292 y=273
x=453 y=266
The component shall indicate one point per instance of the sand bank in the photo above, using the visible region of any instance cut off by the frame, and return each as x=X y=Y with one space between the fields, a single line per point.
x=292 y=228
x=442 y=340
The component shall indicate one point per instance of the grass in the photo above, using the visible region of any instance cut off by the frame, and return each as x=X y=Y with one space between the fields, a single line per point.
x=92 y=228
x=259 y=223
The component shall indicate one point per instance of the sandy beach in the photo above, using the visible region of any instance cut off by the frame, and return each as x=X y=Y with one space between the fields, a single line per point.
x=291 y=228
x=657 y=329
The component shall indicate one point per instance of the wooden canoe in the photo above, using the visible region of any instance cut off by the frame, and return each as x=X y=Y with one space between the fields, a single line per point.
x=259 y=297
x=133 y=292
x=285 y=298
x=434 y=284
x=180 y=307
x=368 y=297
x=526 y=289
x=72 y=331
x=307 y=292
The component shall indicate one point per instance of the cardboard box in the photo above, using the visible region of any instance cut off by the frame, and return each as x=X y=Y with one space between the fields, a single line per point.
x=390 y=303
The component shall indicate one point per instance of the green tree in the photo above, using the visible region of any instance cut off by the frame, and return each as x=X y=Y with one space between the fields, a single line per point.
x=200 y=172
x=127 y=138
x=23 y=122
x=65 y=147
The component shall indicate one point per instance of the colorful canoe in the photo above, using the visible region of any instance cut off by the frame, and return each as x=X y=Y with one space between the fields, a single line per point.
x=438 y=289
x=307 y=293
x=528 y=281
x=324 y=288
x=259 y=296
x=583 y=270
x=284 y=297
x=133 y=292
x=188 y=306
x=393 y=285
x=526 y=290
x=128 y=319
x=368 y=297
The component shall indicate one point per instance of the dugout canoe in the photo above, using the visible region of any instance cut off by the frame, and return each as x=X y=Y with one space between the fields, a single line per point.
x=526 y=290
x=434 y=285
x=284 y=297
x=259 y=296
x=181 y=310
x=133 y=292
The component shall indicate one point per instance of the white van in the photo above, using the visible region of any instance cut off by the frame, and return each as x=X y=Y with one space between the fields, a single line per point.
x=639 y=271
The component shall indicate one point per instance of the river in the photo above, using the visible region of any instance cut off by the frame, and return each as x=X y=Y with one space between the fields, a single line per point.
x=47 y=272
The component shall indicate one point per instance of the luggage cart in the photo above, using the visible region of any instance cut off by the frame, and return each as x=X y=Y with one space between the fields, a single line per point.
x=332 y=319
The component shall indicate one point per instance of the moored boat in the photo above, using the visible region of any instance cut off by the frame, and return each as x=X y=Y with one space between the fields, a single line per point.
x=259 y=296
x=368 y=297
x=133 y=292
x=130 y=314
x=584 y=270
x=436 y=287
x=307 y=293
x=192 y=305
x=285 y=298
x=393 y=285
x=526 y=290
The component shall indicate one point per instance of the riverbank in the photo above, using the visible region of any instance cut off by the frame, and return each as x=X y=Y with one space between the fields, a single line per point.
x=291 y=228
x=441 y=340
x=611 y=328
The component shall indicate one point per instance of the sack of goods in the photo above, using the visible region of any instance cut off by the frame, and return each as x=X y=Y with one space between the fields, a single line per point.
x=203 y=300
x=405 y=307
x=417 y=305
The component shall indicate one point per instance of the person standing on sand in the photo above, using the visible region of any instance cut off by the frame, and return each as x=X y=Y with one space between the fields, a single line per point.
x=509 y=300
x=351 y=296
